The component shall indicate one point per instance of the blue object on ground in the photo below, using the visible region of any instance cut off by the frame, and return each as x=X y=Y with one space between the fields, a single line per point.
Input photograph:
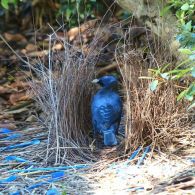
x=37 y=185
x=79 y=166
x=106 y=109
x=5 y=131
x=141 y=160
x=134 y=154
x=192 y=160
x=9 y=179
x=21 y=145
x=136 y=189
x=16 y=158
x=57 y=174
x=13 y=136
x=52 y=191
x=16 y=193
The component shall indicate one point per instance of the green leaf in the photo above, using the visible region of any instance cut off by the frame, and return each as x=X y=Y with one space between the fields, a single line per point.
x=185 y=7
x=188 y=26
x=182 y=95
x=191 y=106
x=193 y=71
x=164 y=11
x=4 y=3
x=185 y=51
x=153 y=85
x=165 y=67
x=68 y=13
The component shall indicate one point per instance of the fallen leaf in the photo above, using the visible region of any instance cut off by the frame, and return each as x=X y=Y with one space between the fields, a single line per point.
x=57 y=46
x=15 y=37
x=20 y=84
x=16 y=97
x=73 y=32
x=6 y=90
x=38 y=53
x=31 y=47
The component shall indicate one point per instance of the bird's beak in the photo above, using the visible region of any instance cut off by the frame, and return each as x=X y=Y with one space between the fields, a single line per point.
x=95 y=81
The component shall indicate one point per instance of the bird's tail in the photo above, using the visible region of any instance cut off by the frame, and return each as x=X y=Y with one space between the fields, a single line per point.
x=109 y=138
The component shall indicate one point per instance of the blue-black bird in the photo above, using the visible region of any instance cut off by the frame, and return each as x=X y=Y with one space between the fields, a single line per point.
x=106 y=109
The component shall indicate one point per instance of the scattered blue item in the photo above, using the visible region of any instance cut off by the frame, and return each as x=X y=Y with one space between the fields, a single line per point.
x=134 y=154
x=52 y=175
x=141 y=160
x=9 y=179
x=16 y=193
x=21 y=145
x=57 y=174
x=13 y=136
x=106 y=109
x=52 y=191
x=43 y=177
x=37 y=185
x=16 y=158
x=136 y=189
x=79 y=166
x=5 y=131
x=192 y=160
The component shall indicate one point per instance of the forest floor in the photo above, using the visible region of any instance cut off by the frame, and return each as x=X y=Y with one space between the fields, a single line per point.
x=23 y=141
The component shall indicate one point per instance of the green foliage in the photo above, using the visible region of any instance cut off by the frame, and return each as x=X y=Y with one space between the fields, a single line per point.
x=185 y=13
x=5 y=3
x=184 y=69
x=73 y=12
x=184 y=10
x=76 y=11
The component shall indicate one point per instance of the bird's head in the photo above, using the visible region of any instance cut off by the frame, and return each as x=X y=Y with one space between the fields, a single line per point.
x=106 y=81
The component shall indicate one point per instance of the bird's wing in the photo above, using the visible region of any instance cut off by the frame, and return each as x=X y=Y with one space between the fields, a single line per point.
x=106 y=116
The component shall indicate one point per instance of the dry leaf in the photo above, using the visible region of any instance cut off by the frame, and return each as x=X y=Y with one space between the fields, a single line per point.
x=20 y=84
x=15 y=37
x=38 y=53
x=16 y=97
x=57 y=46
x=6 y=90
x=29 y=48
x=73 y=32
